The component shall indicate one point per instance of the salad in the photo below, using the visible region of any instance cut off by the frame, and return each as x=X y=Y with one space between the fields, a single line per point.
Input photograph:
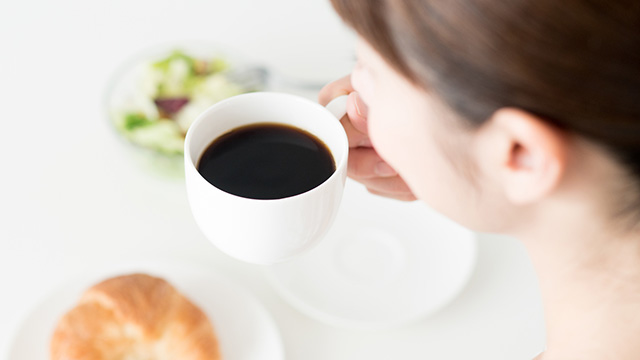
x=169 y=93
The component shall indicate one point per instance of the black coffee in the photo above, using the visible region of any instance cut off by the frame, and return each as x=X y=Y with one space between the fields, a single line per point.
x=266 y=161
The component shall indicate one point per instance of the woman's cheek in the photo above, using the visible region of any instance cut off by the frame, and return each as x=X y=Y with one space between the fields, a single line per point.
x=362 y=82
x=381 y=136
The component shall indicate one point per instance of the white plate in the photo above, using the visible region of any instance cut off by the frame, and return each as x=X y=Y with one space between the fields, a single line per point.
x=384 y=264
x=244 y=328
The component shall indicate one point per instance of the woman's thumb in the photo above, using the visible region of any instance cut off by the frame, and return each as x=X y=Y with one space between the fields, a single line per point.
x=358 y=112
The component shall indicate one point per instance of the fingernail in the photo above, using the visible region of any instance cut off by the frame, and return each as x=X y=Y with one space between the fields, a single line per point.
x=361 y=108
x=383 y=169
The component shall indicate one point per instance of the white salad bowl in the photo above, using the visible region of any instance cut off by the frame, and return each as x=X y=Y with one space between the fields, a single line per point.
x=141 y=86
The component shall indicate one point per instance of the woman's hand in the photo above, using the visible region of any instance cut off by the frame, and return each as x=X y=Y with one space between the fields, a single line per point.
x=365 y=165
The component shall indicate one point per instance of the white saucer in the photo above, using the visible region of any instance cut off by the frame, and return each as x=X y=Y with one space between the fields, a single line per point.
x=243 y=326
x=384 y=263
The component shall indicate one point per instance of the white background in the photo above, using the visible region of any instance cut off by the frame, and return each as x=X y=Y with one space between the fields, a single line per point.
x=71 y=197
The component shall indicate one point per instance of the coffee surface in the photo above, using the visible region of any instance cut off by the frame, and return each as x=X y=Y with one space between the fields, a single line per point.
x=266 y=161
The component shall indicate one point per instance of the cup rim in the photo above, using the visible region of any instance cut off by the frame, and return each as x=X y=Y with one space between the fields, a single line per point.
x=340 y=163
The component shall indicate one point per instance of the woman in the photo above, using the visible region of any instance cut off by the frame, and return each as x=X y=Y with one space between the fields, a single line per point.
x=515 y=117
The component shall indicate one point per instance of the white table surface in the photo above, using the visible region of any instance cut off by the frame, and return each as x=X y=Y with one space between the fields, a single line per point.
x=71 y=197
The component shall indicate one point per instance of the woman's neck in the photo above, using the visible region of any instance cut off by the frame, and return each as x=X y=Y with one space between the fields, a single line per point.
x=590 y=283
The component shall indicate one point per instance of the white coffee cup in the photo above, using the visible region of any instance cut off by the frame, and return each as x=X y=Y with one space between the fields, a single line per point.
x=274 y=230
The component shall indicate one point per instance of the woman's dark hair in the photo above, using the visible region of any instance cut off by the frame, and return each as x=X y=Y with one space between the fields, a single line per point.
x=575 y=63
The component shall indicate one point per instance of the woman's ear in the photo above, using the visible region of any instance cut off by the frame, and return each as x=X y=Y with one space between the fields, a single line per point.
x=526 y=155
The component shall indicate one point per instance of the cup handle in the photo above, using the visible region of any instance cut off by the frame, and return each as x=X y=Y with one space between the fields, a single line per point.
x=338 y=106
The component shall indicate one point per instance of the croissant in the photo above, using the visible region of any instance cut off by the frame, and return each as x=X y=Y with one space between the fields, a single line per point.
x=134 y=317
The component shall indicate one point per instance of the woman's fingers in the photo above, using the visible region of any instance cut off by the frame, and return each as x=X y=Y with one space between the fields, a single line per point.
x=356 y=137
x=401 y=197
x=334 y=89
x=393 y=187
x=365 y=163
x=355 y=122
x=366 y=167
x=388 y=185
x=358 y=112
x=356 y=107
